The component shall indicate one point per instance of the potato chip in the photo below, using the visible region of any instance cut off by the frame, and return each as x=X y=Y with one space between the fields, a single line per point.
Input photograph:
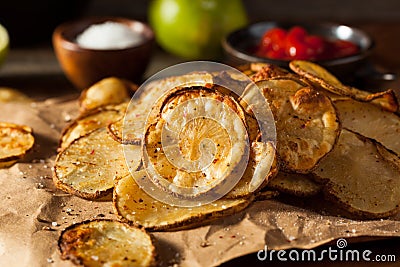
x=12 y=95
x=15 y=142
x=131 y=203
x=99 y=243
x=307 y=124
x=301 y=185
x=371 y=121
x=198 y=140
x=317 y=74
x=261 y=168
x=361 y=176
x=87 y=123
x=105 y=92
x=89 y=166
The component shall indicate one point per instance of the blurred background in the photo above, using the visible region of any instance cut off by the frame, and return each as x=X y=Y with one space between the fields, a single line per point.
x=33 y=21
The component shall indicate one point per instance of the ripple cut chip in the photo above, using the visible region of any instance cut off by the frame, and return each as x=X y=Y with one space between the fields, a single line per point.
x=361 y=176
x=89 y=166
x=307 y=124
x=15 y=141
x=99 y=243
x=132 y=204
x=319 y=75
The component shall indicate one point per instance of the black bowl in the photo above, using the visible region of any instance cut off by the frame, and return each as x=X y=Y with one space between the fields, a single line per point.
x=239 y=44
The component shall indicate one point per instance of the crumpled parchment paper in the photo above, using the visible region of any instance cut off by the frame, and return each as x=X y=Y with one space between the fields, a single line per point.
x=33 y=212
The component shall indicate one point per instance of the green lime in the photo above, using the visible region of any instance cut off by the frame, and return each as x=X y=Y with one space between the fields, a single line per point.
x=4 y=43
x=193 y=29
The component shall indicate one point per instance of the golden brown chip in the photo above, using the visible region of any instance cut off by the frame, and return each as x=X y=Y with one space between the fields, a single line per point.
x=99 y=243
x=205 y=140
x=362 y=176
x=12 y=95
x=321 y=76
x=105 y=92
x=307 y=124
x=371 y=121
x=261 y=168
x=89 y=166
x=302 y=185
x=15 y=142
x=87 y=123
x=132 y=204
x=269 y=71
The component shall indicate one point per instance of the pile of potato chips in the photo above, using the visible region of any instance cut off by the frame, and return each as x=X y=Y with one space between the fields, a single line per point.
x=331 y=140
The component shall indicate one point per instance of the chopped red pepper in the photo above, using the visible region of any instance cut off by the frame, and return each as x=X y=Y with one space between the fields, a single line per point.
x=297 y=43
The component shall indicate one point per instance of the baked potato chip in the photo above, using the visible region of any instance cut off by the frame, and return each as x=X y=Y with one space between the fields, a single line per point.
x=266 y=195
x=132 y=204
x=87 y=123
x=12 y=95
x=15 y=141
x=105 y=92
x=129 y=129
x=99 y=243
x=256 y=68
x=141 y=104
x=198 y=139
x=361 y=176
x=371 y=121
x=261 y=168
x=318 y=75
x=307 y=124
x=89 y=166
x=301 y=185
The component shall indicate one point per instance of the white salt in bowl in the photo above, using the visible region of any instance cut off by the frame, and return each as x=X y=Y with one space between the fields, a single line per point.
x=89 y=50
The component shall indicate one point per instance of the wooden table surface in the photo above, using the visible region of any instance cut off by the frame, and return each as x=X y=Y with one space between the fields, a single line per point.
x=35 y=71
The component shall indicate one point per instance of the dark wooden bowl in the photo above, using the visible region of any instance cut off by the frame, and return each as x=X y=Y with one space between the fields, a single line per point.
x=83 y=66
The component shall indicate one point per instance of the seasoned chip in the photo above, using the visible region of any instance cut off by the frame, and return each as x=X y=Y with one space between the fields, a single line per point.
x=87 y=123
x=130 y=128
x=322 y=77
x=261 y=168
x=371 y=121
x=99 y=243
x=307 y=125
x=362 y=176
x=105 y=92
x=89 y=166
x=131 y=203
x=197 y=141
x=269 y=71
x=15 y=142
x=302 y=185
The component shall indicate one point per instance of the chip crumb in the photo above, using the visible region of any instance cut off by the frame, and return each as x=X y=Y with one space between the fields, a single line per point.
x=204 y=244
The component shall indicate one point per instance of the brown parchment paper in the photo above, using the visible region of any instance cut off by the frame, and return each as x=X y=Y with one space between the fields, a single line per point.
x=33 y=212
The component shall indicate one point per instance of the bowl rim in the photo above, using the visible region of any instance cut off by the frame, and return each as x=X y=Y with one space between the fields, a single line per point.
x=240 y=54
x=71 y=45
